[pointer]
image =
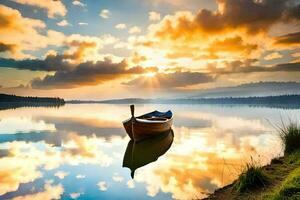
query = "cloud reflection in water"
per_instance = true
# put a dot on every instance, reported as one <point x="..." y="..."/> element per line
<point x="209" y="147"/>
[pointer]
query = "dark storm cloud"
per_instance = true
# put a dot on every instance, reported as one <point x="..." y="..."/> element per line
<point x="88" y="73"/>
<point x="172" y="80"/>
<point x="292" y="38"/>
<point x="50" y="63"/>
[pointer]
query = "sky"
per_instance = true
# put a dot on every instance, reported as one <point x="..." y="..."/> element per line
<point x="107" y="49"/>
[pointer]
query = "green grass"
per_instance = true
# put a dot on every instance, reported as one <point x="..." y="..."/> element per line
<point x="252" y="177"/>
<point x="290" y="188"/>
<point x="294" y="158"/>
<point x="290" y="136"/>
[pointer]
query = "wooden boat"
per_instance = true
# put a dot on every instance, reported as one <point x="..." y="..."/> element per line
<point x="148" y="125"/>
<point x="147" y="151"/>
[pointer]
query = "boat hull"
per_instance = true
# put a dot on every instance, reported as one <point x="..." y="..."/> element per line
<point x="139" y="129"/>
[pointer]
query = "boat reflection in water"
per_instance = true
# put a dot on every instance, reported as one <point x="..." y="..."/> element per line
<point x="141" y="153"/>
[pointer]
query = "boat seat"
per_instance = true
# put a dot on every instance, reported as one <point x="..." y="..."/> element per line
<point x="156" y="118"/>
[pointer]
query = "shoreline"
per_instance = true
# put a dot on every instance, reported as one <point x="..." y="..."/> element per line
<point x="278" y="171"/>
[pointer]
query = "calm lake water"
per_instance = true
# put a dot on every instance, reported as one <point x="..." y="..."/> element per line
<point x="76" y="151"/>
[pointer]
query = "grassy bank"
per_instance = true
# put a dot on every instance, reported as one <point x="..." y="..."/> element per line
<point x="279" y="180"/>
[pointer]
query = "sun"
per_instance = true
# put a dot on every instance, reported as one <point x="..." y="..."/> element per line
<point x="150" y="74"/>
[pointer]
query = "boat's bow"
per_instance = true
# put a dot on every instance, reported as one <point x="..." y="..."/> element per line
<point x="148" y="125"/>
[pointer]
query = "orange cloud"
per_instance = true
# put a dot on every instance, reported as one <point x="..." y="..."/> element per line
<point x="24" y="33"/>
<point x="253" y="16"/>
<point x="137" y="58"/>
<point x="237" y="30"/>
<point x="82" y="50"/>
<point x="14" y="173"/>
<point x="231" y="45"/>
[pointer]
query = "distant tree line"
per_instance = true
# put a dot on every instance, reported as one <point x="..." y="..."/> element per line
<point x="13" y="101"/>
<point x="267" y="100"/>
<point x="283" y="101"/>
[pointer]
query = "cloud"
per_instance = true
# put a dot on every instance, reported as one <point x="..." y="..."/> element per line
<point x="231" y="45"/>
<point x="63" y="23"/>
<point x="154" y="16"/>
<point x="102" y="186"/>
<point x="51" y="63"/>
<point x="50" y="192"/>
<point x="233" y="31"/>
<point x="24" y="163"/>
<point x="87" y="73"/>
<point x="25" y="33"/>
<point x="7" y="47"/>
<point x="75" y="195"/>
<point x="296" y="54"/>
<point x="292" y="38"/>
<point x="81" y="47"/>
<point x="78" y="3"/>
<point x="82" y="24"/>
<point x="252" y="15"/>
<point x="120" y="26"/>
<point x="130" y="184"/>
<point x="247" y="67"/>
<point x="136" y="58"/>
<point x="134" y="29"/>
<point x="171" y="80"/>
<point x="53" y="7"/>
<point x="61" y="174"/>
<point x="87" y="127"/>
<point x="273" y="56"/>
<point x="105" y="14"/>
<point x="117" y="178"/>
<point x="80" y="176"/>
<point x="14" y="173"/>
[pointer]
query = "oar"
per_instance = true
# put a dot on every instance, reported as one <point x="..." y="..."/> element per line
<point x="133" y="120"/>
<point x="132" y="124"/>
<point x="132" y="110"/>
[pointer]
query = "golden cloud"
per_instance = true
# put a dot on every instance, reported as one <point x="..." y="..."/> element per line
<point x="252" y="16"/>
<point x="24" y="33"/>
<point x="237" y="30"/>
<point x="14" y="173"/>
